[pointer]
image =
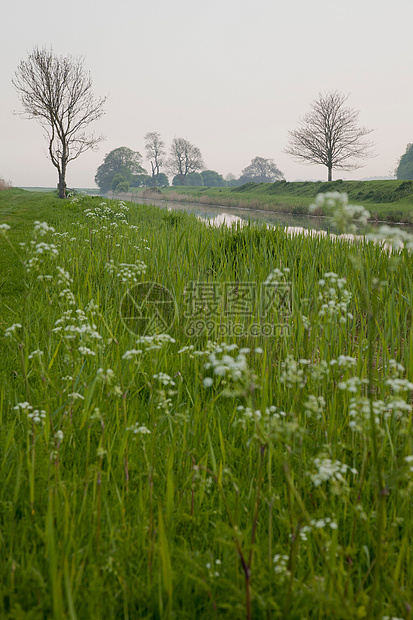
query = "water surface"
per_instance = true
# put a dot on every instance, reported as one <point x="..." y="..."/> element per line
<point x="292" y="223"/>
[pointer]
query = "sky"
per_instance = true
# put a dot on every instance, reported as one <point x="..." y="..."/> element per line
<point x="231" y="76"/>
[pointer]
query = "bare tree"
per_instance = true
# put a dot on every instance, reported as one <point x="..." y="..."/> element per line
<point x="155" y="153"/>
<point x="184" y="158"/>
<point x="329" y="134"/>
<point x="57" y="92"/>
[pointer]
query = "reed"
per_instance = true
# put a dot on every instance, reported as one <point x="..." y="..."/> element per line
<point x="201" y="474"/>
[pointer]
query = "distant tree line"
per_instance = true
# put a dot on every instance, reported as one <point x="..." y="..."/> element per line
<point x="122" y="168"/>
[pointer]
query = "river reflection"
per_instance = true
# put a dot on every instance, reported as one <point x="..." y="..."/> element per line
<point x="223" y="215"/>
<point x="228" y="219"/>
<point x="292" y="223"/>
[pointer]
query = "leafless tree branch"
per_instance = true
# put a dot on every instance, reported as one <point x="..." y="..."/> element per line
<point x="57" y="92"/>
<point x="184" y="158"/>
<point x="155" y="152"/>
<point x="329" y="134"/>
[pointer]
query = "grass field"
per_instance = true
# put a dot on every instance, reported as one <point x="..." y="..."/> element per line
<point x="249" y="457"/>
<point x="386" y="200"/>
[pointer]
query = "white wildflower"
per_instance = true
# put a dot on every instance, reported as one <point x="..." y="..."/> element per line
<point x="345" y="217"/>
<point x="131" y="354"/>
<point x="314" y="406"/>
<point x="23" y="407"/>
<point x="45" y="248"/>
<point x="85" y="351"/>
<point x="106" y="376"/>
<point x="156" y="342"/>
<point x="291" y="373"/>
<point x="10" y="330"/>
<point x="399" y="385"/>
<point x="394" y="238"/>
<point x="164" y="378"/>
<point x="43" y="228"/>
<point x="64" y="278"/>
<point x="352" y="385"/>
<point x="137" y="429"/>
<point x="37" y="416"/>
<point x="76" y="396"/>
<point x="328" y="470"/>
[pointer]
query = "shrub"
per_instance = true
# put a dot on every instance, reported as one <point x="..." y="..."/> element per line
<point x="4" y="184"/>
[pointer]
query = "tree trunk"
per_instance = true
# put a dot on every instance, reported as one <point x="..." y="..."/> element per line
<point x="330" y="174"/>
<point x="61" y="186"/>
<point x="153" y="181"/>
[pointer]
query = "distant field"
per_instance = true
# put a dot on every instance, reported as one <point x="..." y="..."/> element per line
<point x="83" y="190"/>
<point x="243" y="453"/>
<point x="386" y="200"/>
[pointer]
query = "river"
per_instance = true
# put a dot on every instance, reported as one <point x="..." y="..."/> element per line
<point x="217" y="215"/>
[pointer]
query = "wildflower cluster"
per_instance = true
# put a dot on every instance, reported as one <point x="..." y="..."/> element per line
<point x="257" y="414"/>
<point x="126" y="272"/>
<point x="75" y="325"/>
<point x="278" y="277"/>
<point x="394" y="238"/>
<point x="345" y="217"/>
<point x="11" y="331"/>
<point x="146" y="344"/>
<point x="35" y="416"/>
<point x="328" y="470"/>
<point x="230" y="369"/>
<point x="40" y="253"/>
<point x="315" y="406"/>
<point x="281" y="566"/>
<point x="103" y="212"/>
<point x="297" y="373"/>
<point x="292" y="372"/>
<point x="139" y="429"/>
<point x="42" y="228"/>
<point x="271" y="424"/>
<point x="165" y="379"/>
<point x="63" y="279"/>
<point x="335" y="299"/>
<point x="317" y="524"/>
<point x="193" y="353"/>
<point x="23" y="406"/>
<point x="394" y="406"/>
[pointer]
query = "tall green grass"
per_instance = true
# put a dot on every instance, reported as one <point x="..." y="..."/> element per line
<point x="195" y="479"/>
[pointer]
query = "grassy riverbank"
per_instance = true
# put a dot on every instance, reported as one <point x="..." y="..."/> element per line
<point x="255" y="462"/>
<point x="386" y="200"/>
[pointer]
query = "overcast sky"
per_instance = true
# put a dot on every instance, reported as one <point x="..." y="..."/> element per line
<point x="231" y="76"/>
